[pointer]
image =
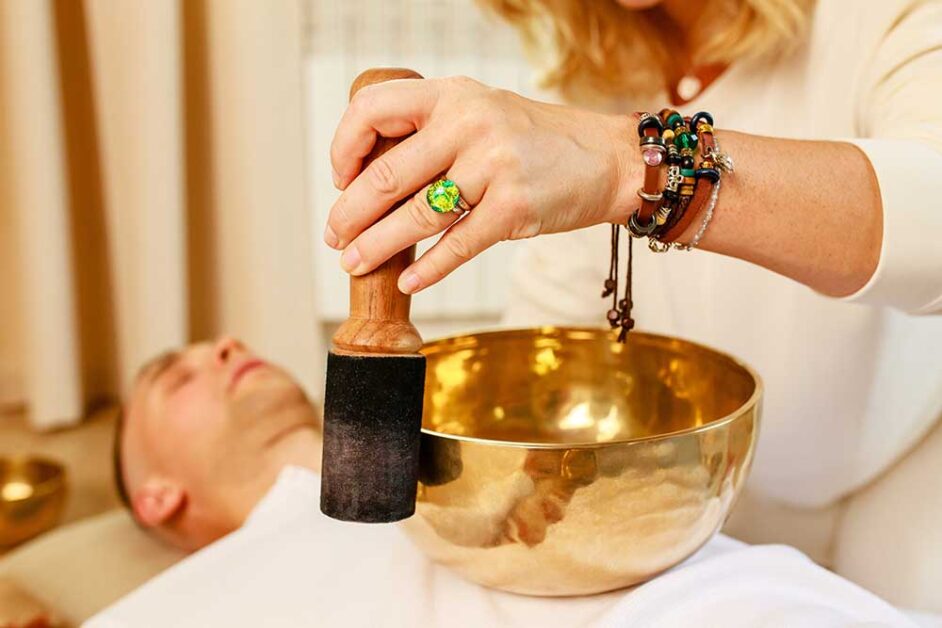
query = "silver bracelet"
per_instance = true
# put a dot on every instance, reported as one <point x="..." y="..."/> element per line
<point x="706" y="221"/>
<point x="725" y="164"/>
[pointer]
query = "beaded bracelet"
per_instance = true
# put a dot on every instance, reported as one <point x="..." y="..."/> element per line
<point x="689" y="188"/>
<point x="668" y="139"/>
<point x="706" y="175"/>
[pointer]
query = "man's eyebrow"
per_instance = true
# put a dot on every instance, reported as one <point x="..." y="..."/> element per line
<point x="161" y="365"/>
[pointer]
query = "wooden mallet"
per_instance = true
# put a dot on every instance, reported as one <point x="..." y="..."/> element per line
<point x="375" y="387"/>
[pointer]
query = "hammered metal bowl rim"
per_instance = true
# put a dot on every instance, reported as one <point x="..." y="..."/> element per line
<point x="46" y="487"/>
<point x="449" y="342"/>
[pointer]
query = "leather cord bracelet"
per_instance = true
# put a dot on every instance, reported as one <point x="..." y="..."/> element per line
<point x="653" y="152"/>
<point x="713" y="164"/>
<point x="705" y="175"/>
<point x="669" y="140"/>
<point x="701" y="195"/>
<point x="656" y="242"/>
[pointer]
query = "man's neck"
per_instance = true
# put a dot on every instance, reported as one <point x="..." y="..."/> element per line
<point x="302" y="448"/>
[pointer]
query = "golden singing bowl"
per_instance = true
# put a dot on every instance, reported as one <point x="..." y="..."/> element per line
<point x="556" y="461"/>
<point x="32" y="497"/>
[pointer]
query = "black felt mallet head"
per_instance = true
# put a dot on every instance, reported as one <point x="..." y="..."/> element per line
<point x="375" y="387"/>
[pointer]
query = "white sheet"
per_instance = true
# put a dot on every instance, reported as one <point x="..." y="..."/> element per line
<point x="291" y="566"/>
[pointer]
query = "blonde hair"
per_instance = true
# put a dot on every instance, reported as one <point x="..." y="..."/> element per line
<point x="591" y="50"/>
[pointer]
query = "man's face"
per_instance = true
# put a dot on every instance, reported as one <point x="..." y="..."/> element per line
<point x="206" y="431"/>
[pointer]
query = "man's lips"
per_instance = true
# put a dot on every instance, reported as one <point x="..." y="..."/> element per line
<point x="243" y="369"/>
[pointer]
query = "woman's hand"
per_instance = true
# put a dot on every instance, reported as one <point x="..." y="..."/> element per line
<point x="526" y="168"/>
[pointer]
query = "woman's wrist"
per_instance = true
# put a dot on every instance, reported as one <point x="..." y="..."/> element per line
<point x="627" y="167"/>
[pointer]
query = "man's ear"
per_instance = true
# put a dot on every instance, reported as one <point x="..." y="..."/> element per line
<point x="156" y="501"/>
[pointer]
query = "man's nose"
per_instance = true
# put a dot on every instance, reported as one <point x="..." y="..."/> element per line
<point x="225" y="348"/>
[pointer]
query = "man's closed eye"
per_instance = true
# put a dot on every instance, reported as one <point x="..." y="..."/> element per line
<point x="179" y="380"/>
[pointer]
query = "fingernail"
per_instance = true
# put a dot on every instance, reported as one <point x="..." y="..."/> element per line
<point x="409" y="283"/>
<point x="336" y="177"/>
<point x="330" y="237"/>
<point x="350" y="259"/>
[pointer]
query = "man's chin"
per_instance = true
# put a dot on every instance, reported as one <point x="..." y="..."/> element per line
<point x="267" y="392"/>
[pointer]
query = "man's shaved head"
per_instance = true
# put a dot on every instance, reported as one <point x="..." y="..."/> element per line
<point x="116" y="450"/>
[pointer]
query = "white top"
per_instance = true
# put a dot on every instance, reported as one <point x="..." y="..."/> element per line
<point x="289" y="566"/>
<point x="851" y="383"/>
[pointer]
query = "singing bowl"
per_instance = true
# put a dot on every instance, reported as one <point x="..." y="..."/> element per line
<point x="557" y="461"/>
<point x="32" y="497"/>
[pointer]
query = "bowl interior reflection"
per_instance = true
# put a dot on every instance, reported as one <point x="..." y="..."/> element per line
<point x="23" y="478"/>
<point x="553" y="386"/>
<point x="32" y="496"/>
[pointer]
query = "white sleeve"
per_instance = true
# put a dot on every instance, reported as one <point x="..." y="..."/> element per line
<point x="899" y="118"/>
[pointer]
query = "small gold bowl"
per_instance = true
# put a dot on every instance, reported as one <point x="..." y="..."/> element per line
<point x="32" y="497"/>
<point x="556" y="461"/>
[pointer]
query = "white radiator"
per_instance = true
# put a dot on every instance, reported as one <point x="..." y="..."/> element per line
<point x="436" y="38"/>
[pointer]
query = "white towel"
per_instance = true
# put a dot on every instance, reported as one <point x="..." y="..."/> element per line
<point x="291" y="566"/>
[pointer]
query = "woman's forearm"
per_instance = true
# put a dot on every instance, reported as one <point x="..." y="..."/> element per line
<point x="809" y="210"/>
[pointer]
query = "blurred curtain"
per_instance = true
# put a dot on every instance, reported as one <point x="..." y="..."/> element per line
<point x="152" y="191"/>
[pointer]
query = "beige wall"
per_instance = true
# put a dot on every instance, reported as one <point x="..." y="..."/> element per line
<point x="152" y="156"/>
<point x="11" y="330"/>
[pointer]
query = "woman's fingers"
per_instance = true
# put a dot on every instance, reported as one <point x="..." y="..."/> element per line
<point x="477" y="231"/>
<point x="411" y="223"/>
<point x="390" y="109"/>
<point x="389" y="178"/>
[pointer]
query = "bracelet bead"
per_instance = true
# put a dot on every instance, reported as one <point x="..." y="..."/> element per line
<point x="637" y="229"/>
<point x="701" y="115"/>
<point x="686" y="140"/>
<point x="673" y="178"/>
<point x="652" y="150"/>
<point x="650" y="122"/>
<point x="649" y="140"/>
<point x="663" y="214"/>
<point x="710" y="173"/>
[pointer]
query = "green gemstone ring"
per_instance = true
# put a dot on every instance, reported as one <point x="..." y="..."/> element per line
<point x="444" y="196"/>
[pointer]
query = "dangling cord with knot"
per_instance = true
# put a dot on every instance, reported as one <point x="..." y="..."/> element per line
<point x="625" y="305"/>
<point x="611" y="284"/>
<point x="620" y="313"/>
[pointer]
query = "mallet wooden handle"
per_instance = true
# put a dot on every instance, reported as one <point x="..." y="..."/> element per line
<point x="379" y="312"/>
